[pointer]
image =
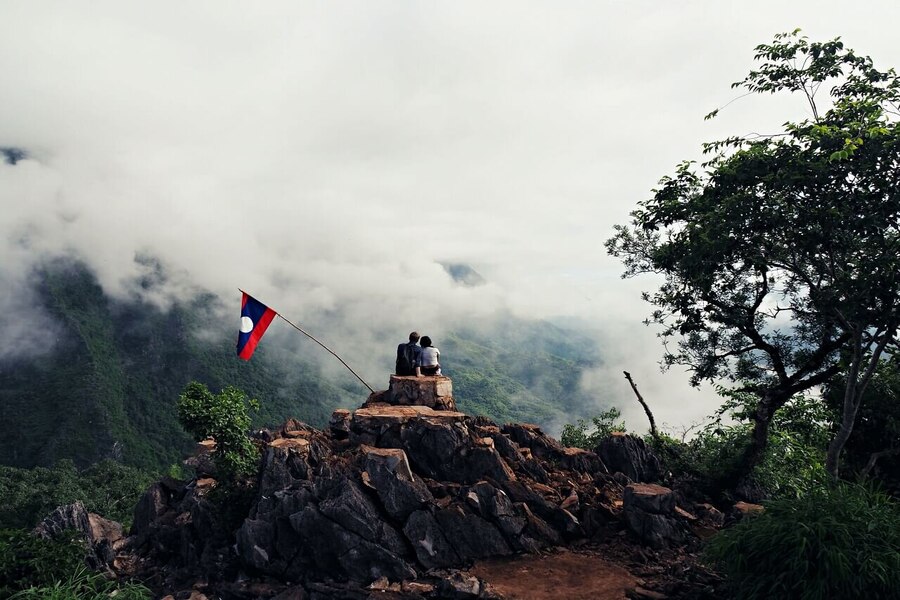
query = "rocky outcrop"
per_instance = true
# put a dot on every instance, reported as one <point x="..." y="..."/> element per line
<point x="629" y="455"/>
<point x="394" y="499"/>
<point x="651" y="514"/>
<point x="103" y="537"/>
<point x="433" y="391"/>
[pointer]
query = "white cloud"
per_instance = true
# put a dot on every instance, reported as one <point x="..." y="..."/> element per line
<point x="326" y="155"/>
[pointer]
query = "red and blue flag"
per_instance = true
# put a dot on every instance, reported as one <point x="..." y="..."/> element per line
<point x="255" y="318"/>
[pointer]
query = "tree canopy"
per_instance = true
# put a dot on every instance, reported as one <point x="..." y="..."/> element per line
<point x="781" y="253"/>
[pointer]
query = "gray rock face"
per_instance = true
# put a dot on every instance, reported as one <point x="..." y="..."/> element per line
<point x="399" y="490"/>
<point x="431" y="546"/>
<point x="626" y="454"/>
<point x="432" y="391"/>
<point x="102" y="535"/>
<point x="389" y="493"/>
<point x="649" y="512"/>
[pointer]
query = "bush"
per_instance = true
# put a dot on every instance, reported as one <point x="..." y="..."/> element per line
<point x="224" y="417"/>
<point x="29" y="561"/>
<point x="577" y="436"/>
<point x="836" y="541"/>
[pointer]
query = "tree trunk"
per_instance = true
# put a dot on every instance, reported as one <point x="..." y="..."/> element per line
<point x="833" y="456"/>
<point x="858" y="378"/>
<point x="771" y="401"/>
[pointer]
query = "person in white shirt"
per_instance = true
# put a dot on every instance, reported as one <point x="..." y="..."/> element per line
<point x="429" y="359"/>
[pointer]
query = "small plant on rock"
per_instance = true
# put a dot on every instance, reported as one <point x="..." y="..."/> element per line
<point x="225" y="418"/>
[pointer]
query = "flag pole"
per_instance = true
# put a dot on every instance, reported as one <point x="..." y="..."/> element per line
<point x="286" y="320"/>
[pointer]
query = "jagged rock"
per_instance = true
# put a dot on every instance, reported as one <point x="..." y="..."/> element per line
<point x="657" y="531"/>
<point x="495" y="505"/>
<point x="541" y="446"/>
<point x="286" y="461"/>
<point x="629" y="455"/>
<point x="432" y="548"/>
<point x="709" y="515"/>
<point x="391" y="493"/>
<point x="650" y="498"/>
<point x="648" y="511"/>
<point x="202" y="460"/>
<point x="400" y="491"/>
<point x="433" y="391"/>
<point x="471" y="536"/>
<point x="380" y="425"/>
<point x="296" y="592"/>
<point x="336" y="550"/>
<point x="255" y="539"/>
<point x="530" y="436"/>
<point x="339" y="424"/>
<point x="149" y="508"/>
<point x="460" y="586"/>
<point x="102" y="535"/>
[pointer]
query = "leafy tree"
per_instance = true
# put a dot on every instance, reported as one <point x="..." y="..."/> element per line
<point x="782" y="252"/>
<point x="794" y="459"/>
<point x="225" y="418"/>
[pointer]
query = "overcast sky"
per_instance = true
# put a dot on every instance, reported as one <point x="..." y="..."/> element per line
<point x="326" y="156"/>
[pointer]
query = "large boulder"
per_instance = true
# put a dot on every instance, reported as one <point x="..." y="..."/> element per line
<point x="400" y="491"/>
<point x="433" y="391"/>
<point x="649" y="512"/>
<point x="629" y="455"/>
<point x="103" y="537"/>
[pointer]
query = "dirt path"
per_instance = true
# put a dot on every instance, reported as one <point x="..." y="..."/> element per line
<point x="564" y="574"/>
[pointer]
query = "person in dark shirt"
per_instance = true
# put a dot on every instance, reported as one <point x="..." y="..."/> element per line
<point x="408" y="356"/>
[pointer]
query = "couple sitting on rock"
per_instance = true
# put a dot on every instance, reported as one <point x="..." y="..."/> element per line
<point x="413" y="359"/>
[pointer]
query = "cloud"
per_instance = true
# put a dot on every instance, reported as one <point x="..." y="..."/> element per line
<point x="330" y="157"/>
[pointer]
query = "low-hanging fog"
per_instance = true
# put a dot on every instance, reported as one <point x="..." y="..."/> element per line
<point x="330" y="157"/>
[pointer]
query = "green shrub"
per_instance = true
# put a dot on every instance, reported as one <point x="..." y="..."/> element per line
<point x="27" y="561"/>
<point x="224" y="417"/>
<point x="835" y="541"/>
<point x="577" y="436"/>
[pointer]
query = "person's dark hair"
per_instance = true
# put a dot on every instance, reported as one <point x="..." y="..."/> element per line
<point x="414" y="336"/>
<point x="425" y="342"/>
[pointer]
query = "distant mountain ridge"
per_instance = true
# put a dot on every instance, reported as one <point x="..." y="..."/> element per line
<point x="109" y="386"/>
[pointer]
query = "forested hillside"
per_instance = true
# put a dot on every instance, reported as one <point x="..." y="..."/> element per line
<point x="109" y="386"/>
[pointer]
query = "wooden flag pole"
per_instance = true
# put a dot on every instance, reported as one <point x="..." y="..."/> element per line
<point x="286" y="320"/>
<point x="327" y="348"/>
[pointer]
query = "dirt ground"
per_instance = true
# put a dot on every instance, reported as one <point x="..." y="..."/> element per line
<point x="564" y="574"/>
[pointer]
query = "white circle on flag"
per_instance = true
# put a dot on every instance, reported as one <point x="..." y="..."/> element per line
<point x="246" y="324"/>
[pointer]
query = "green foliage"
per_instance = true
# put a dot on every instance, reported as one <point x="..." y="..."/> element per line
<point x="28" y="561"/>
<point x="794" y="458"/>
<point x="107" y="488"/>
<point x="793" y="461"/>
<point x="780" y="250"/>
<point x="225" y="418"/>
<point x="877" y="427"/>
<point x="577" y="435"/>
<point x="834" y="541"/>
<point x="82" y="584"/>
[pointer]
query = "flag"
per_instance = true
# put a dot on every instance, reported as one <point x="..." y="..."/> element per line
<point x="255" y="318"/>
